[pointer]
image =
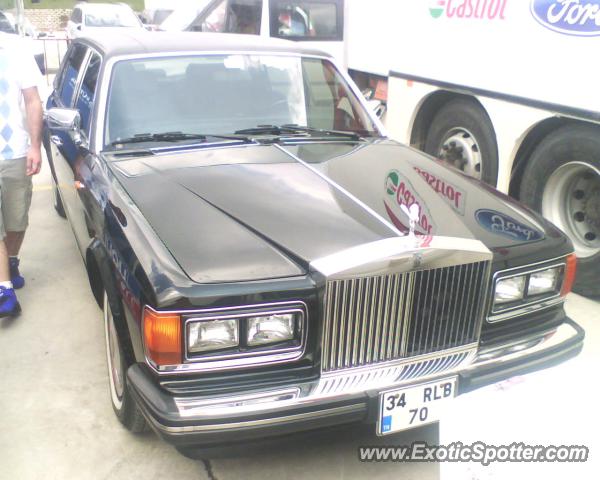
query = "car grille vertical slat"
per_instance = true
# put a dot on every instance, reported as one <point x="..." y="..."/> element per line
<point x="380" y="318"/>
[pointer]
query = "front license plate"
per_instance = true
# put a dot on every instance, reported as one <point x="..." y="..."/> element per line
<point x="411" y="407"/>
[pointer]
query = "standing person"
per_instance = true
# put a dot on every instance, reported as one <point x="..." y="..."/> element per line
<point x="20" y="158"/>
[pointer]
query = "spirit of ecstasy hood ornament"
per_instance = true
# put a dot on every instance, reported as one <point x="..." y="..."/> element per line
<point x="413" y="213"/>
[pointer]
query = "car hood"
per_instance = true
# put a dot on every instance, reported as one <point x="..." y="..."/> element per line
<point x="254" y="212"/>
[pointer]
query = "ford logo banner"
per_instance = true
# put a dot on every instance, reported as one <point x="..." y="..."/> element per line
<point x="500" y="224"/>
<point x="571" y="17"/>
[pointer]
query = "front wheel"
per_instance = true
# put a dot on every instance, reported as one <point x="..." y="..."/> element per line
<point x="122" y="401"/>
<point x="562" y="182"/>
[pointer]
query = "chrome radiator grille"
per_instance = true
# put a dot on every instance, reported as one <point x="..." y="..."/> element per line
<point x="381" y="318"/>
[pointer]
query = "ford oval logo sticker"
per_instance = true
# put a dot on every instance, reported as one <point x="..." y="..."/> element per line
<point x="571" y="17"/>
<point x="506" y="226"/>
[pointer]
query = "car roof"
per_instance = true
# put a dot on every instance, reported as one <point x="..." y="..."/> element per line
<point x="139" y="42"/>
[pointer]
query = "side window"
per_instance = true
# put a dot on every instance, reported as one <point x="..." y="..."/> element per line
<point x="231" y="16"/>
<point x="70" y="72"/>
<point x="87" y="92"/>
<point x="213" y="21"/>
<point x="76" y="16"/>
<point x="307" y="20"/>
<point x="243" y="16"/>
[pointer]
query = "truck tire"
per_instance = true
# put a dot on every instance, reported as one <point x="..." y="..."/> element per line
<point x="122" y="400"/>
<point x="461" y="134"/>
<point x="562" y="182"/>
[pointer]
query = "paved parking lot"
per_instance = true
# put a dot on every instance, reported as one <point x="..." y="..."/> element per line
<point x="57" y="423"/>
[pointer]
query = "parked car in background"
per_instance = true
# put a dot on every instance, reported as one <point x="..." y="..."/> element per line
<point x="13" y="22"/>
<point x="316" y="23"/>
<point x="269" y="262"/>
<point x="87" y="18"/>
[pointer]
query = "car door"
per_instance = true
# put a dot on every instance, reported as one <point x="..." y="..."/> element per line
<point x="72" y="162"/>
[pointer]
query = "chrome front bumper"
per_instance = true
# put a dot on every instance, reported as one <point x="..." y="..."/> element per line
<point x="337" y="398"/>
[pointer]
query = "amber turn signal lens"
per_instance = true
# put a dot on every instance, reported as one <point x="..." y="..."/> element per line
<point x="162" y="337"/>
<point x="570" y="270"/>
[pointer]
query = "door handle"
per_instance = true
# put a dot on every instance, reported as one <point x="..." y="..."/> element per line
<point x="56" y="140"/>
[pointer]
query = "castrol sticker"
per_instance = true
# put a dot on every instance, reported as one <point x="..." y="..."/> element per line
<point x="399" y="191"/>
<point x="451" y="194"/>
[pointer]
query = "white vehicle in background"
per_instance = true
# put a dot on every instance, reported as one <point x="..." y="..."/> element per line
<point x="87" y="18"/>
<point x="319" y="23"/>
<point x="14" y="22"/>
<point x="505" y="90"/>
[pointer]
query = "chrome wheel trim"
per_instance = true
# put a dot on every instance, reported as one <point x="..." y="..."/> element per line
<point x="571" y="200"/>
<point x="460" y="149"/>
<point x="113" y="356"/>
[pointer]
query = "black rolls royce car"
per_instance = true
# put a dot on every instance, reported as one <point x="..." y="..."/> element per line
<point x="269" y="262"/>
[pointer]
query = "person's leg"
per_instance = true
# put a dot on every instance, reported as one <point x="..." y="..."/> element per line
<point x="4" y="271"/>
<point x="16" y="200"/>
<point x="13" y="241"/>
<point x="9" y="306"/>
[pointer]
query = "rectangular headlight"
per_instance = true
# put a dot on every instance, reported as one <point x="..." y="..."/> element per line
<point x="271" y="329"/>
<point x="208" y="335"/>
<point x="543" y="282"/>
<point x="509" y="290"/>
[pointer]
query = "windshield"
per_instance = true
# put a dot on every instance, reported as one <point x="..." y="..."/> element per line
<point x="113" y="16"/>
<point x="222" y="94"/>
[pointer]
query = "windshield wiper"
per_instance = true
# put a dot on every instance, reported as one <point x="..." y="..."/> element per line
<point x="160" y="137"/>
<point x="293" y="129"/>
<point x="176" y="137"/>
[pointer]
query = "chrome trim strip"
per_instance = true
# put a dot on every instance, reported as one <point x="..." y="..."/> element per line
<point x="530" y="308"/>
<point x="399" y="255"/>
<point x="219" y="427"/>
<point x="469" y="349"/>
<point x="228" y="405"/>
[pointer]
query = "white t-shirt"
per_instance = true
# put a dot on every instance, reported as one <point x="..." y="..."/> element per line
<point x="18" y="71"/>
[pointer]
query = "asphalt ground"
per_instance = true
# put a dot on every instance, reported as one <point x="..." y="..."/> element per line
<point x="56" y="421"/>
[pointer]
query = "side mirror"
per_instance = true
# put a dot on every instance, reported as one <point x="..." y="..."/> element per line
<point x="66" y="120"/>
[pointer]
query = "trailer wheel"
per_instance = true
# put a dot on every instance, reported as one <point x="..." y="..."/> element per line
<point x="562" y="181"/>
<point x="461" y="134"/>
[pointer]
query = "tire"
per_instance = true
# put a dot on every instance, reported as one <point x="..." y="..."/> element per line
<point x="121" y="398"/>
<point x="461" y="133"/>
<point x="562" y="182"/>
<point x="58" y="205"/>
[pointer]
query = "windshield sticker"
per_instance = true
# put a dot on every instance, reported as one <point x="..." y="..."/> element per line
<point x="506" y="226"/>
<point x="570" y="17"/>
<point x="452" y="195"/>
<point x="399" y="192"/>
